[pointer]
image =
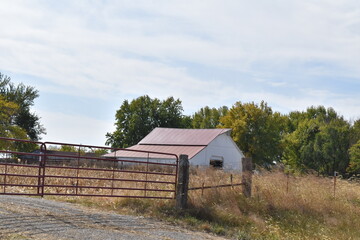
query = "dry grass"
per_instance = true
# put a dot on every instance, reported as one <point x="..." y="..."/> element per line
<point x="294" y="207"/>
<point x="105" y="175"/>
<point x="282" y="207"/>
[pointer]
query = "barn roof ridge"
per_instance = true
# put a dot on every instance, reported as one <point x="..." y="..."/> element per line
<point x="182" y="136"/>
<point x="176" y="145"/>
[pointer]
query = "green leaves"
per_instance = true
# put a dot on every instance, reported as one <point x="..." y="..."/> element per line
<point x="136" y="119"/>
<point x="7" y="128"/>
<point x="354" y="152"/>
<point x="208" y="117"/>
<point x="256" y="130"/>
<point x="23" y="96"/>
<point x="318" y="139"/>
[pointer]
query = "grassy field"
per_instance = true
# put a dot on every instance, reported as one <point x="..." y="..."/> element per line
<point x="281" y="207"/>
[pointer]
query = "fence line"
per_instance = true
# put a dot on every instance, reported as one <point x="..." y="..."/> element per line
<point x="216" y="186"/>
<point x="106" y="178"/>
<point x="246" y="180"/>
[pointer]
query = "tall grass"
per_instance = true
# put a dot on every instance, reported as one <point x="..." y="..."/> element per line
<point x="281" y="206"/>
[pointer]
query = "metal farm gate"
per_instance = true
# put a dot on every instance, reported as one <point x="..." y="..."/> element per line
<point x="50" y="168"/>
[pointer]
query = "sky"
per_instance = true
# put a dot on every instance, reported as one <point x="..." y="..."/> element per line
<point x="86" y="57"/>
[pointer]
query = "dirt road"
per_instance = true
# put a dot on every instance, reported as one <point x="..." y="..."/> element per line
<point x="34" y="218"/>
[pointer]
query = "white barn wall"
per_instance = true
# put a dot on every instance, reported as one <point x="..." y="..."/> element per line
<point x="200" y="159"/>
<point x="222" y="146"/>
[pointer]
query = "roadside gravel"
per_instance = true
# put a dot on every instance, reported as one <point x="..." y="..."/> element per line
<point x="35" y="218"/>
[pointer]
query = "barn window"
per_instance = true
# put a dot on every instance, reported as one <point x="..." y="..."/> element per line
<point x="217" y="161"/>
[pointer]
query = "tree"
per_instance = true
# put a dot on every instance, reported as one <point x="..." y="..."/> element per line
<point x="136" y="119"/>
<point x="208" y="117"/>
<point x="319" y="140"/>
<point x="23" y="96"/>
<point x="355" y="132"/>
<point x="354" y="152"/>
<point x="257" y="130"/>
<point x="7" y="128"/>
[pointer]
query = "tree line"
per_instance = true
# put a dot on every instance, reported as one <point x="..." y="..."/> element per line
<point x="317" y="139"/>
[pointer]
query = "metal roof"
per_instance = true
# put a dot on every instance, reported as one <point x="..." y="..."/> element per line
<point x="172" y="140"/>
<point x="182" y="137"/>
<point x="191" y="151"/>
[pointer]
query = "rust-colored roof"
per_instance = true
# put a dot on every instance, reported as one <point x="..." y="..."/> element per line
<point x="172" y="140"/>
<point x="182" y="137"/>
<point x="191" y="151"/>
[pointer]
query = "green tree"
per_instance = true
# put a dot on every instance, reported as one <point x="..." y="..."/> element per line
<point x="355" y="132"/>
<point x="136" y="119"/>
<point x="354" y="152"/>
<point x="24" y="97"/>
<point x="77" y="149"/>
<point x="7" y="128"/>
<point x="208" y="117"/>
<point x="319" y="140"/>
<point x="257" y="130"/>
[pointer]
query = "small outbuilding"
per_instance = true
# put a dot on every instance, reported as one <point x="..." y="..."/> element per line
<point x="205" y="147"/>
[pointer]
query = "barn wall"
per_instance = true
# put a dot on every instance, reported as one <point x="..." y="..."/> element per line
<point x="221" y="146"/>
<point x="200" y="159"/>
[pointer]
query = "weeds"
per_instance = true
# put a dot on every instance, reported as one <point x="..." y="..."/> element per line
<point x="281" y="207"/>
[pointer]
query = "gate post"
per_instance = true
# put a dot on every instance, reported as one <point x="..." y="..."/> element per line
<point x="246" y="176"/>
<point x="41" y="175"/>
<point x="182" y="183"/>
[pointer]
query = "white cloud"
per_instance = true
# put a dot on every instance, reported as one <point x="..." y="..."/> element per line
<point x="236" y="34"/>
<point x="120" y="49"/>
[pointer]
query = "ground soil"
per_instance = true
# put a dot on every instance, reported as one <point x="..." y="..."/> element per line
<point x="36" y="218"/>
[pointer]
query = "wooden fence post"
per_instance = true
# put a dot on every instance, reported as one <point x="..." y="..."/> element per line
<point x="246" y="176"/>
<point x="182" y="183"/>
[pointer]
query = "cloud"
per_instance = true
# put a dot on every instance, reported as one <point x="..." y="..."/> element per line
<point x="237" y="35"/>
<point x="212" y="53"/>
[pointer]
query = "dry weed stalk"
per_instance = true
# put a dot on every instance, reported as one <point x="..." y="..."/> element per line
<point x="282" y="207"/>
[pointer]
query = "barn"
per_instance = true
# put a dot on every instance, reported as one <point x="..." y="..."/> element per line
<point x="204" y="147"/>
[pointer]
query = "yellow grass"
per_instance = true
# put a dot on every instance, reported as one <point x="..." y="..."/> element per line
<point x="85" y="180"/>
<point x="281" y="207"/>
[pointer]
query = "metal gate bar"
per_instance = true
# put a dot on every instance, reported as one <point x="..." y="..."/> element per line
<point x="54" y="172"/>
<point x="12" y="169"/>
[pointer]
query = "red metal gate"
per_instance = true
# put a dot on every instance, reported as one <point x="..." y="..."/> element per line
<point x="50" y="168"/>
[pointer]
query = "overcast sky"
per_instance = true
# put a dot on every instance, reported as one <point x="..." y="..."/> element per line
<point x="87" y="57"/>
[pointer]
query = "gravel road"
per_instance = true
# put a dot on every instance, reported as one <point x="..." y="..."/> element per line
<point x="35" y="218"/>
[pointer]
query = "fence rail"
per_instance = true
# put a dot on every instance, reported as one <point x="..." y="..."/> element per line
<point x="216" y="186"/>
